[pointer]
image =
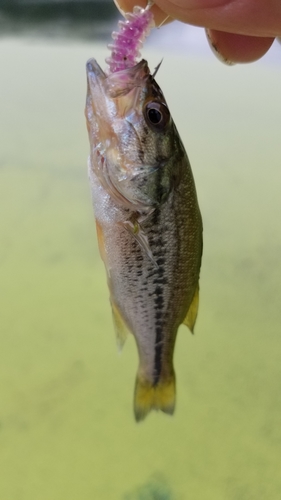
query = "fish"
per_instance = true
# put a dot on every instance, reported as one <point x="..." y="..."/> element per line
<point x="148" y="221"/>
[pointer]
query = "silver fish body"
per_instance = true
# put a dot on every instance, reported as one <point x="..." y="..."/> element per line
<point x="148" y="222"/>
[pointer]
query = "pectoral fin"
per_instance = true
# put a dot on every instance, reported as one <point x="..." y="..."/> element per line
<point x="191" y="316"/>
<point x="135" y="229"/>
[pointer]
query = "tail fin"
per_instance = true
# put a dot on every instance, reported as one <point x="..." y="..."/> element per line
<point x="161" y="396"/>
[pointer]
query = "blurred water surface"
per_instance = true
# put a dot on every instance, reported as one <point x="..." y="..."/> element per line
<point x="67" y="429"/>
<point x="76" y="19"/>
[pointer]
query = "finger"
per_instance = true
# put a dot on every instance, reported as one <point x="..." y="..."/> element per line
<point x="246" y="17"/>
<point x="160" y="17"/>
<point x="231" y="48"/>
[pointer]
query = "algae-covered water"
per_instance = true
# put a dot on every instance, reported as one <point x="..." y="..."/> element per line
<point x="67" y="429"/>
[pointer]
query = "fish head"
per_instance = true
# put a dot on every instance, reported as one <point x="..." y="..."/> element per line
<point x="132" y="135"/>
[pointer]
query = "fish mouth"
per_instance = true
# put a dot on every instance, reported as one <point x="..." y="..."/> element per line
<point x="94" y="70"/>
<point x="121" y="82"/>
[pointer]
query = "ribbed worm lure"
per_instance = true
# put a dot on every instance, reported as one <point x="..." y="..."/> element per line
<point x="129" y="39"/>
<point x="147" y="216"/>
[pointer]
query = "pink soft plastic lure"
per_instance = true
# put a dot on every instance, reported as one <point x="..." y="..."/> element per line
<point x="129" y="39"/>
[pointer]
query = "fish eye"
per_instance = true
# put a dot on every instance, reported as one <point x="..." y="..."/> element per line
<point x="157" y="115"/>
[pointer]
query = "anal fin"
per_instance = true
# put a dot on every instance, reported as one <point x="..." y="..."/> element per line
<point x="191" y="316"/>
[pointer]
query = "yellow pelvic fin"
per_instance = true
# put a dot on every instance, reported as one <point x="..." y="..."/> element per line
<point x="101" y="241"/>
<point x="159" y="397"/>
<point x="120" y="326"/>
<point x="191" y="316"/>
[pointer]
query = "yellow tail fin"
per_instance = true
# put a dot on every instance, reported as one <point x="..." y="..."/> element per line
<point x="161" y="396"/>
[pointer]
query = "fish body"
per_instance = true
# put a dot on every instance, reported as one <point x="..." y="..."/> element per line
<point x="148" y="222"/>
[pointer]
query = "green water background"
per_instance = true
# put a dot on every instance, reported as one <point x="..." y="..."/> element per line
<point x="67" y="429"/>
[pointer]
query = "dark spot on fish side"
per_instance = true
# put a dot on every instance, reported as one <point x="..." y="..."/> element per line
<point x="153" y="231"/>
<point x="160" y="281"/>
<point x="159" y="302"/>
<point x="160" y="261"/>
<point x="157" y="242"/>
<point x="158" y="354"/>
<point x="161" y="271"/>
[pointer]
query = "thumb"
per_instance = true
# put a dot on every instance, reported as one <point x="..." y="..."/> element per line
<point x="244" y="17"/>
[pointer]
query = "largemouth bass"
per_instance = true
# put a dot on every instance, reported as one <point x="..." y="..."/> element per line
<point x="148" y="221"/>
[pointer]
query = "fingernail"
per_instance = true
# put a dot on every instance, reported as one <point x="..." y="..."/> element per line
<point x="118" y="7"/>
<point x="160" y="17"/>
<point x="214" y="47"/>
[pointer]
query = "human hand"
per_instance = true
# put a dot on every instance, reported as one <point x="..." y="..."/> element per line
<point x="238" y="31"/>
